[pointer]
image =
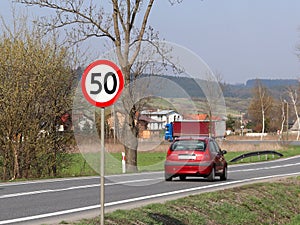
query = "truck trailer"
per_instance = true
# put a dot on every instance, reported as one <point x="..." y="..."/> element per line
<point x="211" y="128"/>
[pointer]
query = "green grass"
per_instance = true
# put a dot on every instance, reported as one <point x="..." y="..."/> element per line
<point x="295" y="220"/>
<point x="263" y="203"/>
<point x="82" y="165"/>
<point x="77" y="167"/>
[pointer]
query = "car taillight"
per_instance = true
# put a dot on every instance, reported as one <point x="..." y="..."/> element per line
<point x="169" y="153"/>
<point x="199" y="156"/>
<point x="206" y="156"/>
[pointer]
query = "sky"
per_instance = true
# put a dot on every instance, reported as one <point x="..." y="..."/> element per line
<point x="238" y="39"/>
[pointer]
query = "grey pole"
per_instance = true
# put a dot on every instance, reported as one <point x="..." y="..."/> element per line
<point x="102" y="159"/>
<point x="287" y="121"/>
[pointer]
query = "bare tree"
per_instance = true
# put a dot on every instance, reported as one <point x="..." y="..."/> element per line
<point x="260" y="105"/>
<point x="292" y="93"/>
<point x="212" y="87"/>
<point x="283" y="118"/>
<point x="124" y="25"/>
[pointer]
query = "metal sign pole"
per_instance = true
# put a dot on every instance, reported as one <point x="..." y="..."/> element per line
<point x="91" y="86"/>
<point x="102" y="167"/>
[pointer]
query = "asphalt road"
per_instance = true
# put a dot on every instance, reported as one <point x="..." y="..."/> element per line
<point x="51" y="201"/>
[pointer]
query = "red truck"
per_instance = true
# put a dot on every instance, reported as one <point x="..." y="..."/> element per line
<point x="213" y="128"/>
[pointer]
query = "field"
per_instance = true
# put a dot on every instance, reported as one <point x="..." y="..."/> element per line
<point x="83" y="164"/>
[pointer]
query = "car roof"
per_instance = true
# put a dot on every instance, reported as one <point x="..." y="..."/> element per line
<point x="201" y="138"/>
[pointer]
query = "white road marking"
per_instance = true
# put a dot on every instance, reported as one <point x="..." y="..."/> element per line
<point x="125" y="182"/>
<point x="199" y="188"/>
<point x="75" y="178"/>
<point x="41" y="216"/>
<point x="47" y="191"/>
<point x="71" y="188"/>
<point x="46" y="181"/>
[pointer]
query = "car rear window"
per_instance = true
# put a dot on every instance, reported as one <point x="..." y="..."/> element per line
<point x="188" y="145"/>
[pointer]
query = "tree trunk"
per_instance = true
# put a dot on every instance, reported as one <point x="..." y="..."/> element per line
<point x="27" y="161"/>
<point x="131" y="142"/>
<point x="263" y="124"/>
<point x="294" y="100"/>
<point x="16" y="171"/>
<point x="54" y="167"/>
<point x="4" y="169"/>
<point x="282" y="122"/>
<point x="131" y="159"/>
<point x="130" y="127"/>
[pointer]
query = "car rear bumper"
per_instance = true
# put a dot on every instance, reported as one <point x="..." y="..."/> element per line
<point x="188" y="168"/>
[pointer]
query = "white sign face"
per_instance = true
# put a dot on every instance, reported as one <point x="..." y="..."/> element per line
<point x="102" y="83"/>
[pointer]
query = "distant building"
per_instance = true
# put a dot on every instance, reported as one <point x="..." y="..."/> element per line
<point x="196" y="117"/>
<point x="162" y="117"/>
<point x="82" y="121"/>
<point x="148" y="127"/>
<point x="152" y="123"/>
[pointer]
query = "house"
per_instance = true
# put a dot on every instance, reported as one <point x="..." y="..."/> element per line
<point x="82" y="122"/>
<point x="152" y="123"/>
<point x="162" y="116"/>
<point x="148" y="127"/>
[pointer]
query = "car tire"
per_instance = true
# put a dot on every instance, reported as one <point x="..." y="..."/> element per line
<point x="182" y="177"/>
<point x="211" y="176"/>
<point x="168" y="177"/>
<point x="224" y="175"/>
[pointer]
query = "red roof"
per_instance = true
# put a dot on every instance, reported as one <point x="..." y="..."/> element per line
<point x="196" y="117"/>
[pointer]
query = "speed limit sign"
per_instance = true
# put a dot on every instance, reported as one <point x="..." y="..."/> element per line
<point x="102" y="83"/>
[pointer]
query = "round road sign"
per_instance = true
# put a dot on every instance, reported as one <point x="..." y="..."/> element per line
<point x="102" y="83"/>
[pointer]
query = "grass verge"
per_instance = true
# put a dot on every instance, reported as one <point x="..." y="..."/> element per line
<point x="147" y="161"/>
<point x="264" y="203"/>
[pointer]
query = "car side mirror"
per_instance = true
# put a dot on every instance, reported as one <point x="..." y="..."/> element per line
<point x="224" y="152"/>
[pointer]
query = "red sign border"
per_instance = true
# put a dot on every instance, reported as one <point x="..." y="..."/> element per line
<point x="121" y="83"/>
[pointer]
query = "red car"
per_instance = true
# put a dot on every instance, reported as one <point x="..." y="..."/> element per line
<point x="199" y="156"/>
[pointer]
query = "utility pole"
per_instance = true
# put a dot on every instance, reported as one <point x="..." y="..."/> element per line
<point x="287" y="119"/>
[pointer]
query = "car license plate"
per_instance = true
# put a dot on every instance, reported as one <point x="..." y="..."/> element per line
<point x="193" y="157"/>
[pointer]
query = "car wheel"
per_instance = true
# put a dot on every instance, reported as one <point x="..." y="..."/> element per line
<point x="224" y="175"/>
<point x="211" y="176"/>
<point x="182" y="177"/>
<point x="168" y="177"/>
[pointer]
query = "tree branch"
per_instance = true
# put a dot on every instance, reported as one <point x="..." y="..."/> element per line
<point x="142" y="31"/>
<point x="76" y="11"/>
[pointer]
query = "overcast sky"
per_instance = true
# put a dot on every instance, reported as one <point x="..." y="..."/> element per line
<point x="238" y="39"/>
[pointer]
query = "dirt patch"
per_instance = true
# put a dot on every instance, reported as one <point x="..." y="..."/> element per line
<point x="248" y="147"/>
<point x="113" y="147"/>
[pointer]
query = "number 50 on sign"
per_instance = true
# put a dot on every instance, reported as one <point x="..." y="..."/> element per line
<point x="102" y="83"/>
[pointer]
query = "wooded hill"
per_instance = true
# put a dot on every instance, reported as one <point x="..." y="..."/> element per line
<point x="276" y="86"/>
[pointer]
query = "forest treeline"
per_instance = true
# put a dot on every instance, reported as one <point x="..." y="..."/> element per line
<point x="241" y="91"/>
